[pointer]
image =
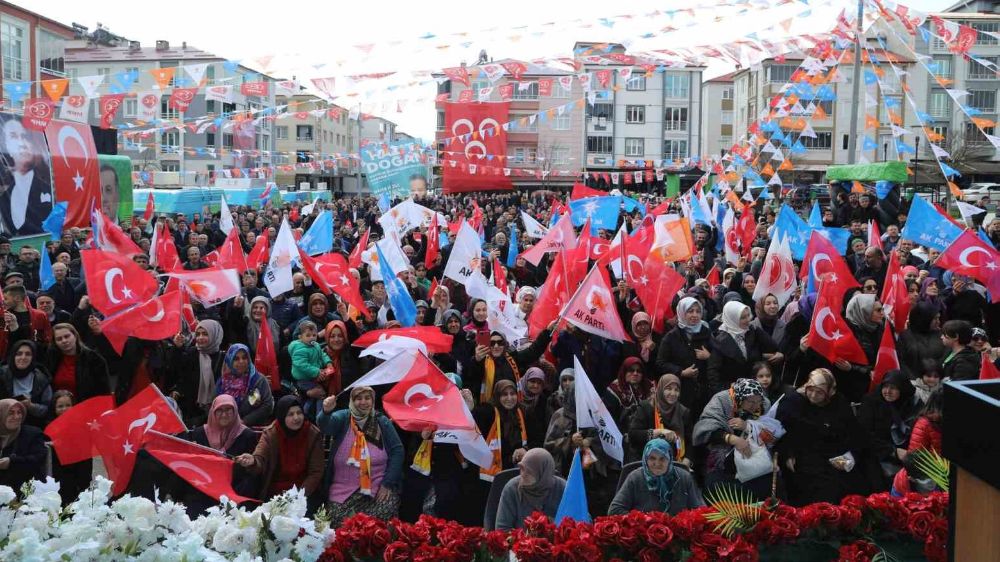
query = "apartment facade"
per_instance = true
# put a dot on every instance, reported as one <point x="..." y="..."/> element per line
<point x="33" y="48"/>
<point x="717" y="126"/>
<point x="312" y="142"/>
<point x="190" y="155"/>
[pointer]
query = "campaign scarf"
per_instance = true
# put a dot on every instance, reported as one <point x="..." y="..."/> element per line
<point x="361" y="458"/>
<point x="493" y="441"/>
<point x="489" y="373"/>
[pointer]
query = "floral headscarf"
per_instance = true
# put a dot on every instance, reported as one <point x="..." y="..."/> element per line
<point x="662" y="485"/>
<point x="231" y="382"/>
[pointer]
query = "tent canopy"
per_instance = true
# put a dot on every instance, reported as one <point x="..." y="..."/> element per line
<point x="879" y="171"/>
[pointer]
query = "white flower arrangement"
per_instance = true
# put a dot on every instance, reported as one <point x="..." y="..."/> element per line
<point x="34" y="527"/>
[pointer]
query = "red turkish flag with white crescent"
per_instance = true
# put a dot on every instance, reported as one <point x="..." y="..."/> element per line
<point x="829" y="335"/>
<point x="895" y="298"/>
<point x="969" y="255"/>
<point x="70" y="432"/>
<point x="210" y="286"/>
<point x="887" y="360"/>
<point x="476" y="140"/>
<point x="331" y="273"/>
<point x="424" y="398"/>
<point x="231" y="253"/>
<point x="354" y="260"/>
<point x="559" y="238"/>
<point x="206" y="469"/>
<point x="164" y="250"/>
<point x="266" y="357"/>
<point x="433" y="338"/>
<point x="75" y="171"/>
<point x="259" y="253"/>
<point x="158" y="318"/>
<point x="433" y="243"/>
<point x="658" y="295"/>
<point x="564" y="277"/>
<point x="115" y="282"/>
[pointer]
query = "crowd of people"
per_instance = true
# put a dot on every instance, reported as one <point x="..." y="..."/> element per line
<point x="729" y="394"/>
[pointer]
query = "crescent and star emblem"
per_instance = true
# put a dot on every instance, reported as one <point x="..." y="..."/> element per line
<point x="820" y="318"/>
<point x="423" y="389"/>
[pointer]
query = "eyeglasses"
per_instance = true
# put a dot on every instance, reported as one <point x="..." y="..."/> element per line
<point x="496" y="343"/>
<point x="870" y="288"/>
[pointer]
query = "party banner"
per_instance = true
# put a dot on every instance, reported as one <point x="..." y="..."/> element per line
<point x="394" y="169"/>
<point x="25" y="179"/>
<point x="116" y="186"/>
<point x="480" y="147"/>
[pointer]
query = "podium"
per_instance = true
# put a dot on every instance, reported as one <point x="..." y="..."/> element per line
<point x="972" y="444"/>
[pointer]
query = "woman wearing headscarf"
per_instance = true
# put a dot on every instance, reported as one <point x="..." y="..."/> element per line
<point x="225" y="432"/>
<point x="74" y="366"/>
<point x="288" y="454"/>
<point x="738" y="346"/>
<point x="534" y="400"/>
<point x="244" y="326"/>
<point x="537" y="488"/>
<point x="477" y="325"/>
<point x="800" y="360"/>
<point x="823" y="451"/>
<point x="346" y="365"/>
<point x="497" y="362"/>
<point x="196" y="369"/>
<point x="930" y="293"/>
<point x="661" y="417"/>
<point x="24" y="380"/>
<point x="251" y="390"/>
<point x="318" y="311"/>
<point x="645" y="344"/>
<point x="566" y="379"/>
<point x="865" y="317"/>
<point x="22" y="449"/>
<point x="921" y="340"/>
<point x="658" y="485"/>
<point x="505" y="427"/>
<point x="684" y="351"/>
<point x="462" y="347"/>
<point x="563" y="438"/>
<point x="441" y="303"/>
<point x="769" y="319"/>
<point x="724" y="428"/>
<point x="365" y="469"/>
<point x="628" y="390"/>
<point x="887" y="414"/>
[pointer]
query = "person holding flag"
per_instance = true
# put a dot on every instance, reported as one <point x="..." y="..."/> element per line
<point x="493" y="361"/>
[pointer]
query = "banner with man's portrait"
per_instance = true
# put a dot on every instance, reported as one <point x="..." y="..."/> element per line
<point x="116" y="186"/>
<point x="26" y="195"/>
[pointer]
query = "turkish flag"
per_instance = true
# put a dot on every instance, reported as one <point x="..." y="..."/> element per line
<point x="259" y="253"/>
<point x="164" y="249"/>
<point x="969" y="255"/>
<point x="634" y="253"/>
<point x="120" y="433"/>
<point x="987" y="369"/>
<point x="746" y="230"/>
<point x="564" y="277"/>
<point x="150" y="207"/>
<point x="71" y="434"/>
<point x="593" y="310"/>
<point x="266" y="358"/>
<point x="75" y="171"/>
<point x="231" y="253"/>
<point x="595" y="247"/>
<point x="424" y="398"/>
<point x="109" y="236"/>
<point x="477" y="137"/>
<point x="354" y="260"/>
<point x="433" y="243"/>
<point x="156" y="319"/>
<point x="874" y="237"/>
<point x="115" y="282"/>
<point x="432" y="337"/>
<point x="499" y="276"/>
<point x="210" y="474"/>
<point x="559" y="238"/>
<point x="895" y="298"/>
<point x="829" y="335"/>
<point x="210" y="286"/>
<point x="581" y="191"/>
<point x="211" y="258"/>
<point x="887" y="360"/>
<point x="331" y="272"/>
<point x="658" y="293"/>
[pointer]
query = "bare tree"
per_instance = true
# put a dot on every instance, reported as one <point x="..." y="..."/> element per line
<point x="545" y="158"/>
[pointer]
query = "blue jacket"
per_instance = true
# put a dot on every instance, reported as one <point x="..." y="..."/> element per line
<point x="337" y="423"/>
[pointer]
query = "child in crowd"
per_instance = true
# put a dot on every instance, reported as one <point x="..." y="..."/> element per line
<point x="73" y="478"/>
<point x="926" y="435"/>
<point x="929" y="380"/>
<point x="310" y="367"/>
<point x="773" y="388"/>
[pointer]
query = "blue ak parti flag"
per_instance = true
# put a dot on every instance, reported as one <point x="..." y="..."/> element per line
<point x="927" y="227"/>
<point x="399" y="298"/>
<point x="53" y="224"/>
<point x="512" y="249"/>
<point x="319" y="238"/>
<point x="574" y="501"/>
<point x="45" y="276"/>
<point x="602" y="211"/>
<point x="815" y="216"/>
<point x="791" y="225"/>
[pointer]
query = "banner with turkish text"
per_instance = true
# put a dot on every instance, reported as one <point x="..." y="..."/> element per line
<point x="394" y="169"/>
<point x="478" y="147"/>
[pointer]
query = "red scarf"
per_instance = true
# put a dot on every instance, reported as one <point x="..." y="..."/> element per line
<point x="292" y="458"/>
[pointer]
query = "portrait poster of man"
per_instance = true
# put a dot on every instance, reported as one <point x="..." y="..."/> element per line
<point x="25" y="179"/>
<point x="396" y="169"/>
<point x="116" y="186"/>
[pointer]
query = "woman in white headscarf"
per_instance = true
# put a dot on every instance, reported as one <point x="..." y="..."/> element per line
<point x="738" y="345"/>
<point x="684" y="351"/>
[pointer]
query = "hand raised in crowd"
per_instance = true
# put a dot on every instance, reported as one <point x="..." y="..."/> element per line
<point x="481" y="351"/>
<point x="329" y="404"/>
<point x="665" y="434"/>
<point x="469" y="400"/>
<point x="179" y="340"/>
<point x="94" y="324"/>
<point x="10" y="321"/>
<point x="428" y="432"/>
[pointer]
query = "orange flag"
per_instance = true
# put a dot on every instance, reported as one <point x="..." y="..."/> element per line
<point x="163" y="76"/>
<point x="871" y="122"/>
<point x="955" y="190"/>
<point x="820" y="113"/>
<point x="55" y="88"/>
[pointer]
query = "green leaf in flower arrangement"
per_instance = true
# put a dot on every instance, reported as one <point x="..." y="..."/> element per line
<point x="735" y="509"/>
<point x="933" y="466"/>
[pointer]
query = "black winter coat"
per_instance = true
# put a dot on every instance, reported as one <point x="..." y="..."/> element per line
<point x="963" y="366"/>
<point x="728" y="363"/>
<point x="92" y="377"/>
<point x="676" y="353"/>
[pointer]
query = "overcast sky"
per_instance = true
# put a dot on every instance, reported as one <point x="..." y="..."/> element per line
<point x="310" y="40"/>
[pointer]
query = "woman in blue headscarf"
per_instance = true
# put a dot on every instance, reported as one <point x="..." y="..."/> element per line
<point x="657" y="485"/>
<point x="241" y="380"/>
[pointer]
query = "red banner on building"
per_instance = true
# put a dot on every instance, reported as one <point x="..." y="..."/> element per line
<point x="477" y="149"/>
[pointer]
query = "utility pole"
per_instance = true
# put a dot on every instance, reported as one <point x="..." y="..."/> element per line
<point x="852" y="140"/>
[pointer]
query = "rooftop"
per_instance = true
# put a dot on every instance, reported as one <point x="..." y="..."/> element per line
<point x="46" y="19"/>
<point x="126" y="53"/>
<point x="728" y="78"/>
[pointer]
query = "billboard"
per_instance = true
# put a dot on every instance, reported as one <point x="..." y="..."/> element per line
<point x="476" y="155"/>
<point x="116" y="186"/>
<point x="26" y="193"/>
<point x="394" y="169"/>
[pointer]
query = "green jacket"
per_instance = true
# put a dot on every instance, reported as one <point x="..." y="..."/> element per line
<point x="307" y="360"/>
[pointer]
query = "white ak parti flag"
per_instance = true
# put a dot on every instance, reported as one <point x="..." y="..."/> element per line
<point x="591" y="412"/>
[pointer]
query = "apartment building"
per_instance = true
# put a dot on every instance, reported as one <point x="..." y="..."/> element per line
<point x="194" y="155"/>
<point x="33" y="48"/>
<point x="309" y="138"/>
<point x="717" y="126"/>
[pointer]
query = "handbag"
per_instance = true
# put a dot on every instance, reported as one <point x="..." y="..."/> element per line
<point x="754" y="466"/>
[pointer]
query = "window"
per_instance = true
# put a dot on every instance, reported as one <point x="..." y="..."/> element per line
<point x="210" y="106"/>
<point x="52" y="49"/>
<point x="227" y="140"/>
<point x="984" y="28"/>
<point x="823" y="141"/>
<point x="303" y="132"/>
<point x="981" y="72"/>
<point x="845" y="143"/>
<point x="167" y="112"/>
<point x="561" y="122"/>
<point x="210" y="139"/>
<point x="727" y="93"/>
<point x="636" y="83"/>
<point x="524" y="155"/>
<point x="727" y="118"/>
<point x="675" y="149"/>
<point x="943" y="131"/>
<point x="210" y="74"/>
<point x="131" y="107"/>
<point x="676" y="85"/>
<point x="781" y="73"/>
<point x="560" y="156"/>
<point x="635" y="147"/>
<point x="942" y="66"/>
<point x="265" y="143"/>
<point x="560" y="91"/>
<point x="601" y="145"/>
<point x="526" y="92"/>
<point x="440" y="121"/>
<point x="170" y="166"/>
<point x="676" y="119"/>
<point x="526" y="126"/>
<point x="477" y="85"/>
<point x="974" y="136"/>
<point x="940" y="104"/>
<point x="983" y="100"/>
<point x="281" y="132"/>
<point x="602" y="114"/>
<point x="170" y="141"/>
<point x="15" y="47"/>
<point x="635" y="114"/>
